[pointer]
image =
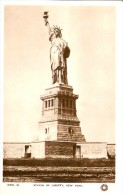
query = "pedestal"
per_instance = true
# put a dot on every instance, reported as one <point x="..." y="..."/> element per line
<point x="58" y="119"/>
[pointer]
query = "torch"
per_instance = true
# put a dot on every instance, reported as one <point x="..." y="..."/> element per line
<point x="45" y="16"/>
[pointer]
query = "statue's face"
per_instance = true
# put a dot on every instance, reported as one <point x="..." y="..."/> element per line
<point x="57" y="33"/>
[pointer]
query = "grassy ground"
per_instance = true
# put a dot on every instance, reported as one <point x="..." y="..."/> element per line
<point x="59" y="170"/>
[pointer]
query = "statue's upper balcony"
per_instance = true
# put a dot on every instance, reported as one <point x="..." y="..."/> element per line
<point x="59" y="90"/>
<point x="59" y="87"/>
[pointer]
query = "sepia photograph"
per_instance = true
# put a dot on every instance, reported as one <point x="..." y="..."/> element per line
<point x="59" y="86"/>
<point x="59" y="89"/>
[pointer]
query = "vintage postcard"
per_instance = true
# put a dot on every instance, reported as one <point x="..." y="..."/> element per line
<point x="61" y="97"/>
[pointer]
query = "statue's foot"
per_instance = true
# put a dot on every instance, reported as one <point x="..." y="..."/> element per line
<point x="61" y="83"/>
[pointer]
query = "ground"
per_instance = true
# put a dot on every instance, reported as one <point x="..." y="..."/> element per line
<point x="59" y="170"/>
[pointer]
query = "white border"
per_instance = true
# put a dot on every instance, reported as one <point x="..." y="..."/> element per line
<point x="1" y="87"/>
<point x="92" y="187"/>
<point x="119" y="97"/>
<point x="66" y="2"/>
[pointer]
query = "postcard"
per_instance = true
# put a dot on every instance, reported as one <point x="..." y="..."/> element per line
<point x="61" y="97"/>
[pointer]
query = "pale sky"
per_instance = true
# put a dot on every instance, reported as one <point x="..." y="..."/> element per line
<point x="90" y="33"/>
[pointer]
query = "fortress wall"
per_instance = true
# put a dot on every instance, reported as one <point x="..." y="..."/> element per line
<point x="93" y="150"/>
<point x="13" y="150"/>
<point x="111" y="150"/>
<point x="55" y="149"/>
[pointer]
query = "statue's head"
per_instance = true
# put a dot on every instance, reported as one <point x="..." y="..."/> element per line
<point x="57" y="31"/>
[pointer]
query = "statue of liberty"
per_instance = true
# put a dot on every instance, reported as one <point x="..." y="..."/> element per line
<point x="59" y="52"/>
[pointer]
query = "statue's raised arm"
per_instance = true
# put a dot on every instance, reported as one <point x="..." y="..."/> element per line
<point x="59" y="51"/>
<point x="45" y="16"/>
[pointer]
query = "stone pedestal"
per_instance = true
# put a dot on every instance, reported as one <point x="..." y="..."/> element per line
<point x="59" y="120"/>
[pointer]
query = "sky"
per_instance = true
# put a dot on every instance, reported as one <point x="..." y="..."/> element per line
<point x="90" y="33"/>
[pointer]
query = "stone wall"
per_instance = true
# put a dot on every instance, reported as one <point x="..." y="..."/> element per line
<point x="111" y="150"/>
<point x="14" y="150"/>
<point x="21" y="150"/>
<point x="93" y="150"/>
<point x="59" y="149"/>
<point x="55" y="149"/>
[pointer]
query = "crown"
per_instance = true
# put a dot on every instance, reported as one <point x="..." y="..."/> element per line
<point x="56" y="28"/>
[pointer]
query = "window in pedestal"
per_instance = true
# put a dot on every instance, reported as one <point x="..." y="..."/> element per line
<point x="70" y="103"/>
<point x="63" y="103"/>
<point x="46" y="130"/>
<point x="70" y="130"/>
<point x="74" y="103"/>
<point x="66" y="103"/>
<point x="45" y="104"/>
<point x="52" y="102"/>
<point x="48" y="103"/>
